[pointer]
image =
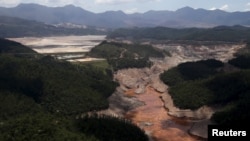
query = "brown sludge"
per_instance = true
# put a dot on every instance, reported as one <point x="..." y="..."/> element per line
<point x="153" y="118"/>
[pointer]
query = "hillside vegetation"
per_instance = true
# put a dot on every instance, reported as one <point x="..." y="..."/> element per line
<point x="195" y="84"/>
<point x="242" y="59"/>
<point x="220" y="33"/>
<point x="121" y="55"/>
<point x="41" y="96"/>
<point x="187" y="82"/>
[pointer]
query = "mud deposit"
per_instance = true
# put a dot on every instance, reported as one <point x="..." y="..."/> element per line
<point x="153" y="118"/>
<point x="71" y="48"/>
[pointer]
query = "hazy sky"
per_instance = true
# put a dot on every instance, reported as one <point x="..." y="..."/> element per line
<point x="131" y="6"/>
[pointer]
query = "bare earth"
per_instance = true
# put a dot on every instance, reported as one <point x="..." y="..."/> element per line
<point x="63" y="44"/>
<point x="153" y="118"/>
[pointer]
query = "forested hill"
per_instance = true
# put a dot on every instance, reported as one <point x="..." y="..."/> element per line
<point x="10" y="47"/>
<point x="41" y="96"/>
<point x="46" y="80"/>
<point x="195" y="84"/>
<point x="122" y="55"/>
<point x="17" y="27"/>
<point x="220" y="33"/>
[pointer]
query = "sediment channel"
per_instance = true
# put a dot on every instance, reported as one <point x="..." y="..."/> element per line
<point x="154" y="120"/>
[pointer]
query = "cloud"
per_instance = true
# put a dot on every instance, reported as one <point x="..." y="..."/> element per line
<point x="9" y="2"/>
<point x="122" y="1"/>
<point x="224" y="7"/>
<point x="61" y="2"/>
<point x="131" y="11"/>
<point x="213" y="8"/>
<point x="112" y="1"/>
<point x="247" y="7"/>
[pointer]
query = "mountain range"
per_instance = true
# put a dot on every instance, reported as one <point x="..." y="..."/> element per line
<point x="181" y="18"/>
<point x="11" y="27"/>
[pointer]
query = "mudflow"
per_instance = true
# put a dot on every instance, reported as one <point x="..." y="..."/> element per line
<point x="144" y="99"/>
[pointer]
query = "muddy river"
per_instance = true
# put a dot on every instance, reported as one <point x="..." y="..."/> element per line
<point x="154" y="120"/>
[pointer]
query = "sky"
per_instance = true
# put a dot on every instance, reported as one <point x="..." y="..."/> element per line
<point x="141" y="6"/>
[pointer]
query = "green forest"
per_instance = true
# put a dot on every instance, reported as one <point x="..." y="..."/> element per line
<point x="122" y="55"/>
<point x="42" y="96"/>
<point x="194" y="84"/>
<point x="221" y="33"/>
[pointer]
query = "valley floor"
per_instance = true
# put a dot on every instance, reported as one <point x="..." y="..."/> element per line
<point x="71" y="48"/>
<point x="144" y="99"/>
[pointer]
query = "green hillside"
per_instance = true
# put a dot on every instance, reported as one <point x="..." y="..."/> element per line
<point x="220" y="33"/>
<point x="195" y="84"/>
<point x="121" y="55"/>
<point x="41" y="96"/>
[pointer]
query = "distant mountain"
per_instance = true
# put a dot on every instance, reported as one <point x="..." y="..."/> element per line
<point x="17" y="27"/>
<point x="184" y="17"/>
<point x="48" y="14"/>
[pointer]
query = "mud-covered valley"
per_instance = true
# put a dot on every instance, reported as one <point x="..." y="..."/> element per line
<point x="144" y="99"/>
